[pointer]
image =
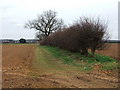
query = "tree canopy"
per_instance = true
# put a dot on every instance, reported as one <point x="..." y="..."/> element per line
<point x="46" y="23"/>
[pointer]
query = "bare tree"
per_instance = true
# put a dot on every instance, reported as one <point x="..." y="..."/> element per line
<point x="46" y="23"/>
<point x="93" y="34"/>
<point x="39" y="35"/>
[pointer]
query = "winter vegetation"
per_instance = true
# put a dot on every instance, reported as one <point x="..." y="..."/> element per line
<point x="85" y="33"/>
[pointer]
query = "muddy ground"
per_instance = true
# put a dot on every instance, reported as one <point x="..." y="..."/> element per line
<point x="111" y="50"/>
<point x="18" y="71"/>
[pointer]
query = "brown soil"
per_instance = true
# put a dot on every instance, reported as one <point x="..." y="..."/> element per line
<point x="112" y="50"/>
<point x="18" y="73"/>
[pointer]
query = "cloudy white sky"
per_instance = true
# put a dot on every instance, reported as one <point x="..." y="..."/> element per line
<point x="15" y="13"/>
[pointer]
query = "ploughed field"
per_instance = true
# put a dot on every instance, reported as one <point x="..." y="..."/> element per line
<point x="30" y="66"/>
<point x="112" y="50"/>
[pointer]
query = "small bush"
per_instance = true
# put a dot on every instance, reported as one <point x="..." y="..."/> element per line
<point x="22" y="40"/>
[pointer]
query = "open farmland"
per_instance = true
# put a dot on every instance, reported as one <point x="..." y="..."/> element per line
<point x="31" y="66"/>
<point x="112" y="50"/>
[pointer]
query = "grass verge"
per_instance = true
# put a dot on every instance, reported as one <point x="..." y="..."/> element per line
<point x="84" y="63"/>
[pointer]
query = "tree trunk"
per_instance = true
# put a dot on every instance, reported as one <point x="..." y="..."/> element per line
<point x="92" y="52"/>
<point x="84" y="52"/>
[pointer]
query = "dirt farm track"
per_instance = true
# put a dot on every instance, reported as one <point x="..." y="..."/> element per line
<point x="21" y="70"/>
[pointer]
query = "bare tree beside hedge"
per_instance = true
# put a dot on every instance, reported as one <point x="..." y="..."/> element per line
<point x="45" y="23"/>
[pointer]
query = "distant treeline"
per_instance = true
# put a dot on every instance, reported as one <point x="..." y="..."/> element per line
<point x="36" y="40"/>
<point x="18" y="41"/>
<point x="113" y="41"/>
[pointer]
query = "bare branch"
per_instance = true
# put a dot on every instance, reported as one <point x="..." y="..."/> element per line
<point x="46" y="23"/>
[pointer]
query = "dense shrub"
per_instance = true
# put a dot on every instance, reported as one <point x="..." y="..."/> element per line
<point x="84" y="34"/>
<point x="22" y="40"/>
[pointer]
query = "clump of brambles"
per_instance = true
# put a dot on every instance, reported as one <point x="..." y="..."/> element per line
<point x="84" y="34"/>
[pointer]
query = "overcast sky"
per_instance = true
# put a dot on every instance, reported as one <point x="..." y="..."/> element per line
<point x="15" y="13"/>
